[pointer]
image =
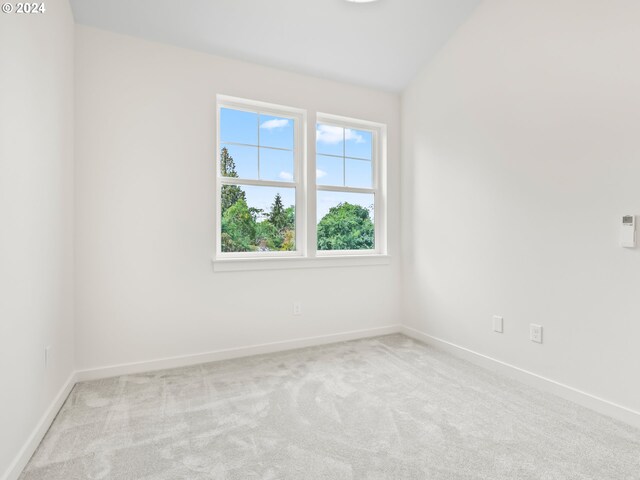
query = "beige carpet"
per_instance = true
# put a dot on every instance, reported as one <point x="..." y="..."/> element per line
<point x="382" y="408"/>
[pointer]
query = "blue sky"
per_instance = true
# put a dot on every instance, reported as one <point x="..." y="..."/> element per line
<point x="248" y="136"/>
<point x="262" y="148"/>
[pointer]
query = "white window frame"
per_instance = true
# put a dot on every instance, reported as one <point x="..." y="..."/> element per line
<point x="306" y="253"/>
<point x="299" y="174"/>
<point x="378" y="181"/>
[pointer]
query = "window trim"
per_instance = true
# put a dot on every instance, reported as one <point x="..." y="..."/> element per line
<point x="299" y="116"/>
<point x="294" y="263"/>
<point x="306" y="254"/>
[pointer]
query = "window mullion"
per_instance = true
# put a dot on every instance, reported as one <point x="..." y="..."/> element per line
<point x="258" y="119"/>
<point x="257" y="183"/>
<point x="337" y="188"/>
<point x="344" y="155"/>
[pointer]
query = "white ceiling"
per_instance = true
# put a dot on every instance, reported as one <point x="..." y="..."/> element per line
<point x="380" y="44"/>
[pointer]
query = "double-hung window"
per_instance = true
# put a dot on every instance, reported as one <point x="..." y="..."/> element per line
<point x="260" y="188"/>
<point x="275" y="202"/>
<point x="349" y="183"/>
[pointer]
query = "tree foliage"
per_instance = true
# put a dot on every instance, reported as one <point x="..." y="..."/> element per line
<point x="230" y="193"/>
<point x="267" y="236"/>
<point x="277" y="215"/>
<point x="244" y="228"/>
<point x="346" y="227"/>
<point x="247" y="229"/>
<point x="238" y="228"/>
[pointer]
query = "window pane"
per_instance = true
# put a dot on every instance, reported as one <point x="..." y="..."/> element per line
<point x="276" y="132"/>
<point x="329" y="170"/>
<point x="345" y="221"/>
<point x="358" y="143"/>
<point x="239" y="161"/>
<point x="329" y="140"/>
<point x="238" y="127"/>
<point x="276" y="165"/>
<point x="257" y="219"/>
<point x="358" y="173"/>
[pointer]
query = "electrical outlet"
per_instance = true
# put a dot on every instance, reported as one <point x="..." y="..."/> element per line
<point x="535" y="333"/>
<point x="47" y="356"/>
<point x="498" y="324"/>
<point x="297" y="308"/>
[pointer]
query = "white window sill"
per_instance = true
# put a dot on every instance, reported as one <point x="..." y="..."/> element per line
<point x="284" y="263"/>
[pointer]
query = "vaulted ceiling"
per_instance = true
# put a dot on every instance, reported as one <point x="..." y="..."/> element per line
<point x="380" y="44"/>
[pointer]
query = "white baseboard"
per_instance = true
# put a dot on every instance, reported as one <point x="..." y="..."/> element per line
<point x="575" y="395"/>
<point x="585" y="399"/>
<point x="229" y="353"/>
<point x="21" y="460"/>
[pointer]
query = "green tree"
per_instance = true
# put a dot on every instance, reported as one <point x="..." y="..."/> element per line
<point x="238" y="228"/>
<point x="289" y="231"/>
<point x="346" y="227"/>
<point x="230" y="193"/>
<point x="277" y="215"/>
<point x="256" y="213"/>
<point x="278" y="230"/>
<point x="267" y="237"/>
<point x="290" y="213"/>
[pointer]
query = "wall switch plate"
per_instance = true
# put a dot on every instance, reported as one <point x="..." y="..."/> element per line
<point x="297" y="308"/>
<point x="498" y="324"/>
<point x="535" y="333"/>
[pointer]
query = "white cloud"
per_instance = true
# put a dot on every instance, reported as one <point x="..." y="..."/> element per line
<point x="320" y="173"/>
<point x="286" y="175"/>
<point x="328" y="134"/>
<point x="274" y="123"/>
<point x="332" y="135"/>
<point x="352" y="135"/>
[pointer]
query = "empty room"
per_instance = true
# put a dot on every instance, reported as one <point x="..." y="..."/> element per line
<point x="320" y="239"/>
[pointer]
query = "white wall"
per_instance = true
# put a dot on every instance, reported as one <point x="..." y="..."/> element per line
<point x="520" y="153"/>
<point x="36" y="218"/>
<point x="145" y="155"/>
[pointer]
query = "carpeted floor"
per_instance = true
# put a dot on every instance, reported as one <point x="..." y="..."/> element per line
<point x="382" y="408"/>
